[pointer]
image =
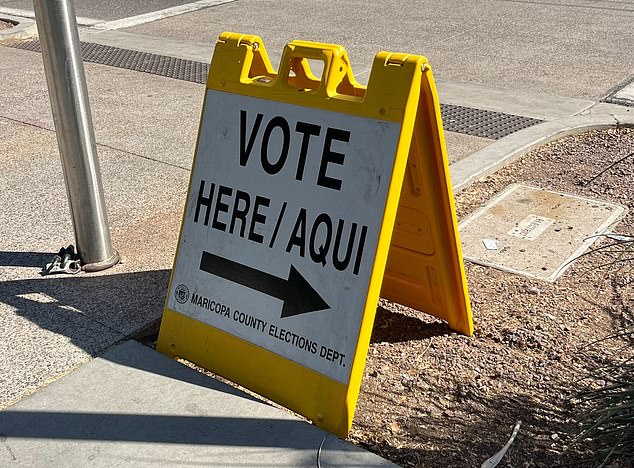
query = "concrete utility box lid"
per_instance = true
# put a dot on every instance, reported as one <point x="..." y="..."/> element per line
<point x="535" y="232"/>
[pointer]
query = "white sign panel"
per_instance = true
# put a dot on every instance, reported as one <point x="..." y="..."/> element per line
<point x="281" y="226"/>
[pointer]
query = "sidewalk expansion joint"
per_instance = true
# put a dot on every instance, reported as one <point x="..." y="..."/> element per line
<point x="459" y="119"/>
<point x="102" y="145"/>
<point x="114" y="148"/>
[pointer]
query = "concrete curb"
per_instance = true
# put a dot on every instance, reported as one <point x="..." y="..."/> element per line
<point x="24" y="29"/>
<point x="508" y="149"/>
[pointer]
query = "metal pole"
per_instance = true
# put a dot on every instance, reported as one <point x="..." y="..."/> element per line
<point x="66" y="81"/>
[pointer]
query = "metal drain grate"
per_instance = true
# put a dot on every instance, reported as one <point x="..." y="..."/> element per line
<point x="171" y="67"/>
<point x="459" y="119"/>
<point x="482" y="123"/>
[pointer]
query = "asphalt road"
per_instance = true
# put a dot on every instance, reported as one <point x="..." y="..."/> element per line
<point x="105" y="10"/>
<point x="573" y="48"/>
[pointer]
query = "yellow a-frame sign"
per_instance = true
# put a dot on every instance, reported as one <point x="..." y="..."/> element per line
<point x="302" y="190"/>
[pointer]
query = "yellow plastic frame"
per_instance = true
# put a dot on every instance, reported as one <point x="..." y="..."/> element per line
<point x="400" y="89"/>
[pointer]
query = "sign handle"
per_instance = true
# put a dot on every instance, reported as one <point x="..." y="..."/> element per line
<point x="337" y="77"/>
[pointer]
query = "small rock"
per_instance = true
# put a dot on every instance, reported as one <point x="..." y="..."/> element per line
<point x="406" y="380"/>
<point x="395" y="428"/>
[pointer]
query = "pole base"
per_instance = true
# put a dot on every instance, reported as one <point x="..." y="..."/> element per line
<point x="103" y="265"/>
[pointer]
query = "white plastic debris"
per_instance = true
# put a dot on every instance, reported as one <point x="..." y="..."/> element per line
<point x="490" y="244"/>
<point x="620" y="238"/>
<point x="497" y="458"/>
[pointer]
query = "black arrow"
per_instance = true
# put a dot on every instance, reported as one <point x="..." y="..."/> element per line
<point x="298" y="295"/>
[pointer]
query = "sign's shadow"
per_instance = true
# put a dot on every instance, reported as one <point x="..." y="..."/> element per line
<point x="394" y="327"/>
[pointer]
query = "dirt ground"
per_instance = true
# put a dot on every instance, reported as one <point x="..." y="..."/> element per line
<point x="5" y="25"/>
<point x="431" y="397"/>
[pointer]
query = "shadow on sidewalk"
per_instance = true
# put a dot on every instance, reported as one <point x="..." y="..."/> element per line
<point x="96" y="312"/>
<point x="154" y="428"/>
<point x="133" y="395"/>
<point x="24" y="259"/>
<point x="93" y="311"/>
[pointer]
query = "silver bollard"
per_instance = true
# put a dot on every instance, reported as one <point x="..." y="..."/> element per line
<point x="66" y="81"/>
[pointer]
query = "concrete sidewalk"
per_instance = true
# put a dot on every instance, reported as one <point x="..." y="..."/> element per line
<point x="135" y="407"/>
<point x="145" y="130"/>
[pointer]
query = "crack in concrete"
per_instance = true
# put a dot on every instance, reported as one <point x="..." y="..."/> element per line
<point x="3" y="439"/>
